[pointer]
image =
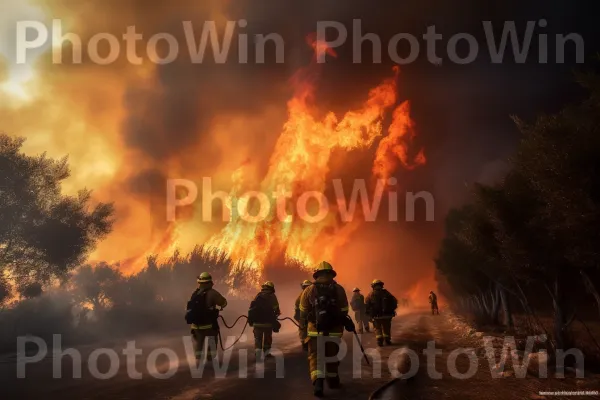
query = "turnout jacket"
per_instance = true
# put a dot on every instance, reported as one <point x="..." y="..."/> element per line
<point x="358" y="302"/>
<point x="214" y="299"/>
<point x="269" y="295"/>
<point x="297" y="307"/>
<point x="307" y="306"/>
<point x="373" y="302"/>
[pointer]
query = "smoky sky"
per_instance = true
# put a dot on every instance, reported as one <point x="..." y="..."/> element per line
<point x="462" y="112"/>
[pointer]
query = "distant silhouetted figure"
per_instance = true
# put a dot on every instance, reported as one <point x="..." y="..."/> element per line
<point x="433" y="302"/>
<point x="360" y="311"/>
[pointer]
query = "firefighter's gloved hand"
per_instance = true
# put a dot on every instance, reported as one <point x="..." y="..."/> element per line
<point x="349" y="324"/>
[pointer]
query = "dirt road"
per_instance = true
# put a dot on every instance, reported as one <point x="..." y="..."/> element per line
<point x="248" y="380"/>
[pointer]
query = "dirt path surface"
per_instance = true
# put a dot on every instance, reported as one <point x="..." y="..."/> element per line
<point x="248" y="380"/>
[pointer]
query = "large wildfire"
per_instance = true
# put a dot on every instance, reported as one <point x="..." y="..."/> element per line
<point x="300" y="163"/>
<point x="122" y="141"/>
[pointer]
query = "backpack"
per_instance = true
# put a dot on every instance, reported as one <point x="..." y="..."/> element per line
<point x="383" y="304"/>
<point x="198" y="311"/>
<point x="389" y="304"/>
<point x="260" y="311"/>
<point x="326" y="314"/>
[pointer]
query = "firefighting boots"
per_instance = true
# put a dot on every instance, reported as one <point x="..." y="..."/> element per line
<point x="388" y="341"/>
<point x="318" y="389"/>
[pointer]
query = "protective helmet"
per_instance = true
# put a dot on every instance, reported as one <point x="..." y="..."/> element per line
<point x="322" y="267"/>
<point x="306" y="284"/>
<point x="204" y="278"/>
<point x="268" y="285"/>
<point x="376" y="282"/>
<point x="356" y="289"/>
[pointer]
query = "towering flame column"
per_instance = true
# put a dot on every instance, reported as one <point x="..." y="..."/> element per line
<point x="300" y="163"/>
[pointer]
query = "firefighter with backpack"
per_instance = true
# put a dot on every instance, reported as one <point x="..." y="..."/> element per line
<point x="324" y="314"/>
<point x="301" y="330"/>
<point x="381" y="308"/>
<point x="202" y="314"/>
<point x="262" y="316"/>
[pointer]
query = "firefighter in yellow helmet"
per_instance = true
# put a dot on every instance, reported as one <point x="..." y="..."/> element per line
<point x="262" y="315"/>
<point x="360" y="311"/>
<point x="302" y="330"/>
<point x="202" y="313"/>
<point x="381" y="308"/>
<point x="323" y="311"/>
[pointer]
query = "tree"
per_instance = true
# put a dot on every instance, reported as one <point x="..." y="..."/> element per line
<point x="512" y="236"/>
<point x="539" y="227"/>
<point x="31" y="291"/>
<point x="4" y="290"/>
<point x="463" y="261"/>
<point x="43" y="234"/>
<point x="97" y="285"/>
<point x="559" y="159"/>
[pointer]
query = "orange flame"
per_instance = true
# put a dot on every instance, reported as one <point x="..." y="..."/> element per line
<point x="300" y="163"/>
<point x="393" y="149"/>
<point x="319" y="47"/>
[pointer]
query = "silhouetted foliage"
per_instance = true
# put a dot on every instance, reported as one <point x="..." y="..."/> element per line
<point x="4" y="290"/>
<point x="96" y="285"/>
<point x="45" y="238"/>
<point x="31" y="291"/>
<point x="536" y="234"/>
<point x="43" y="234"/>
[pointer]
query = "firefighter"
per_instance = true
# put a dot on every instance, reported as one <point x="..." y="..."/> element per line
<point x="358" y="306"/>
<point x="381" y="308"/>
<point x="262" y="315"/>
<point x="301" y="331"/>
<point x="433" y="302"/>
<point x="324" y="313"/>
<point x="202" y="313"/>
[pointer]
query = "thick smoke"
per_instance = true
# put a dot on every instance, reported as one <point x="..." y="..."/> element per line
<point x="189" y="121"/>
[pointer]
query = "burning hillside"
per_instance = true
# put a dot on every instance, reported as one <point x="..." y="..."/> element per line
<point x="299" y="167"/>
<point x="128" y="129"/>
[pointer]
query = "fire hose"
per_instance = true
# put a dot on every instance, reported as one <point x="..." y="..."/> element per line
<point x="230" y="327"/>
<point x="243" y="329"/>
<point x="288" y="318"/>
<point x="278" y="319"/>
